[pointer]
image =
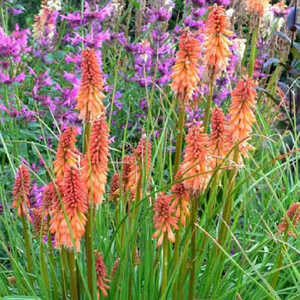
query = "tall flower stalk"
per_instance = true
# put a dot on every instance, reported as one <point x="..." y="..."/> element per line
<point x="196" y="169"/>
<point x="185" y="77"/>
<point x="165" y="222"/>
<point x="256" y="9"/>
<point x="21" y="202"/>
<point x="217" y="51"/>
<point x="91" y="107"/>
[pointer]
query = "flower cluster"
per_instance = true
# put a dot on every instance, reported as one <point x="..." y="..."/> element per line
<point x="21" y="191"/>
<point x="164" y="219"/>
<point x="186" y="72"/>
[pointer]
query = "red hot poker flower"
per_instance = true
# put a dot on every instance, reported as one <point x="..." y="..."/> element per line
<point x="141" y="160"/>
<point x="181" y="200"/>
<point x="241" y="112"/>
<point x="75" y="205"/>
<point x="67" y="153"/>
<point x="164" y="220"/>
<point x="21" y="191"/>
<point x="101" y="272"/>
<point x="293" y="214"/>
<point x="217" y="43"/>
<point x="196" y="160"/>
<point x="90" y="96"/>
<point x="95" y="163"/>
<point x="258" y="7"/>
<point x="220" y="138"/>
<point x="186" y="74"/>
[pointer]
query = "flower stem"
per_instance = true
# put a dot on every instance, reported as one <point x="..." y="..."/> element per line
<point x="44" y="270"/>
<point x="89" y="252"/>
<point x="253" y="51"/>
<point x="208" y="106"/>
<point x="89" y="225"/>
<point x="179" y="139"/>
<point x="73" y="275"/>
<point x="27" y="248"/>
<point x="193" y="248"/>
<point x="63" y="273"/>
<point x="52" y="266"/>
<point x="279" y="263"/>
<point x="176" y="257"/>
<point x="226" y="214"/>
<point x="165" y="268"/>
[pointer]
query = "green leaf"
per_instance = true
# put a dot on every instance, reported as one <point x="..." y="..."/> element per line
<point x="21" y="298"/>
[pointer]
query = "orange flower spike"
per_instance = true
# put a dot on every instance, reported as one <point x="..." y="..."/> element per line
<point x="21" y="191"/>
<point x="164" y="219"/>
<point x="181" y="201"/>
<point x="75" y="205"/>
<point x="75" y="200"/>
<point x="115" y="187"/>
<point x="217" y="43"/>
<point x="185" y="73"/>
<point x="128" y="163"/>
<point x="141" y="158"/>
<point x="257" y="7"/>
<point x="51" y="198"/>
<point x="143" y="153"/>
<point x="95" y="163"/>
<point x="243" y="101"/>
<point x="67" y="153"/>
<point x="39" y="224"/>
<point x="101" y="272"/>
<point x="220" y="138"/>
<point x="293" y="214"/>
<point x="90" y="96"/>
<point x="196" y="160"/>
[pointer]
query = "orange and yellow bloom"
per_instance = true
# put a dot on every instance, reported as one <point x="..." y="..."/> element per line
<point x="74" y="201"/>
<point x="181" y="200"/>
<point x="67" y="153"/>
<point x="220" y="139"/>
<point x="90" y="96"/>
<point x="140" y="161"/>
<point x="164" y="219"/>
<point x="257" y="7"/>
<point x="186" y="74"/>
<point x="195" y="165"/>
<point x="217" y="42"/>
<point x="242" y="113"/>
<point x="95" y="162"/>
<point x="101" y="272"/>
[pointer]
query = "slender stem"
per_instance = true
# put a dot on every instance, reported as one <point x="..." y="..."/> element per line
<point x="279" y="263"/>
<point x="179" y="139"/>
<point x="44" y="270"/>
<point x="244" y="59"/>
<point x="89" y="252"/>
<point x="27" y="248"/>
<point x="165" y="268"/>
<point x="73" y="275"/>
<point x="253" y="51"/>
<point x="53" y="266"/>
<point x="193" y="248"/>
<point x="89" y="225"/>
<point x="176" y="258"/>
<point x="132" y="221"/>
<point x="63" y="273"/>
<point x="226" y="214"/>
<point x="208" y="106"/>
